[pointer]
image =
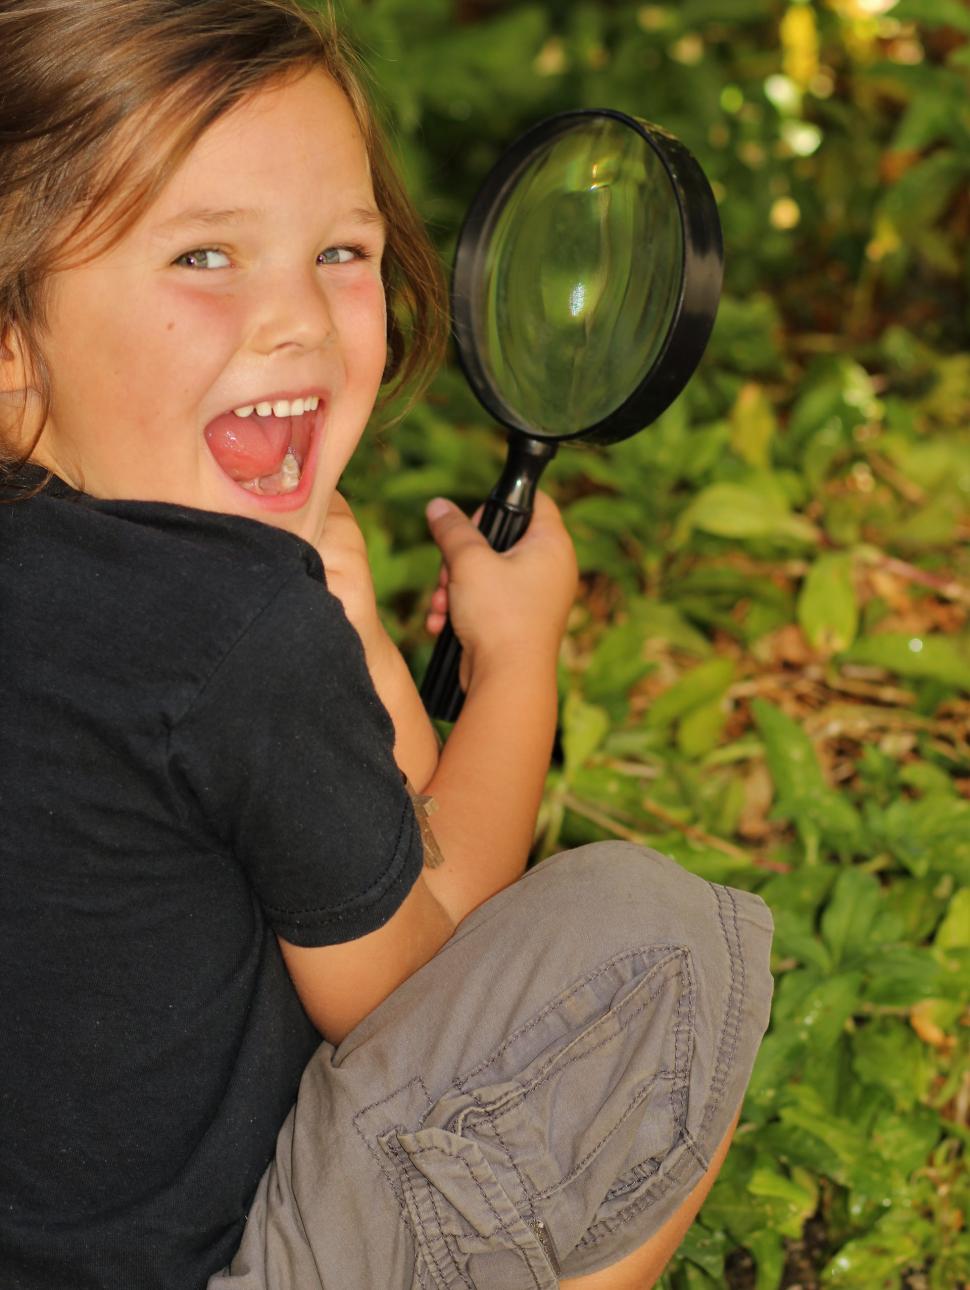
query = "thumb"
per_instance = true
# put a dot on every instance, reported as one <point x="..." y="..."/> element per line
<point x="451" y="529"/>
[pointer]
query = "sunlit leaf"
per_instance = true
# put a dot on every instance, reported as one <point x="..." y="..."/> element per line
<point x="827" y="606"/>
<point x="940" y="658"/>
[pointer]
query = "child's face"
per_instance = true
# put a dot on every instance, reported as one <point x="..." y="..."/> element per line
<point x="152" y="348"/>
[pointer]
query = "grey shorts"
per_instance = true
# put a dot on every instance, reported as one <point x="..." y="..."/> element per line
<point x="535" y="1102"/>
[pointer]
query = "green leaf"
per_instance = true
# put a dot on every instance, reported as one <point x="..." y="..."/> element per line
<point x="904" y="975"/>
<point x="856" y="902"/>
<point x="816" y="1008"/>
<point x="845" y="1140"/>
<point x="929" y="835"/>
<point x="818" y="811"/>
<point x="935" y="13"/>
<point x="769" y="1255"/>
<point x="827" y="606"/>
<point x="704" y="683"/>
<point x="664" y="624"/>
<point x="889" y="1055"/>
<point x="616" y="665"/>
<point x="872" y="1260"/>
<point x="753" y="426"/>
<point x="937" y="657"/>
<point x="584" y="727"/>
<point x="953" y="932"/>
<point x="798" y="1198"/>
<point x="706" y="1249"/>
<point x="753" y="510"/>
<point x="700" y="729"/>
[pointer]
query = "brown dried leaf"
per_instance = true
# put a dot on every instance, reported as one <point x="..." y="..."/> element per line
<point x="921" y="1019"/>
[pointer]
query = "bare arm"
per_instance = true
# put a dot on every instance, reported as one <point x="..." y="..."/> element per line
<point x="509" y="611"/>
<point x="344" y="554"/>
<point x="339" y="985"/>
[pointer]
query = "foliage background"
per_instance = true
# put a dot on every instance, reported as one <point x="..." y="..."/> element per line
<point x="767" y="673"/>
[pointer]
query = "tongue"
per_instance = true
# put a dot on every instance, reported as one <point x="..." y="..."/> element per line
<point x="249" y="447"/>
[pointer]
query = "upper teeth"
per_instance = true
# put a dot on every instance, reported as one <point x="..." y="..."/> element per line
<point x="281" y="408"/>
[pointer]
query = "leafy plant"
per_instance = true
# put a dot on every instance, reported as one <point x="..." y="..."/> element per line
<point x="768" y="672"/>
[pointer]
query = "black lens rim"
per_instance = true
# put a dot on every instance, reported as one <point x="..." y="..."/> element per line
<point x="702" y="268"/>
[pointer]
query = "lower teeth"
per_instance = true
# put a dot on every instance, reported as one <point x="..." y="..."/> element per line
<point x="286" y="479"/>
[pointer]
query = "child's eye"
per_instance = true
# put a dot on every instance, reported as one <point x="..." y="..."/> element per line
<point x="201" y="258"/>
<point x="343" y="254"/>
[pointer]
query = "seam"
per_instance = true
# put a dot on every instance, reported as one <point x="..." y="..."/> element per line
<point x="677" y="1077"/>
<point x="381" y="1162"/>
<point x="355" y="904"/>
<point x="243" y="631"/>
<point x="556" y="1003"/>
<point x="425" y="1245"/>
<point x="581" y="1164"/>
<point x="529" y="1199"/>
<point x="606" y="1227"/>
<point x="437" y="1214"/>
<point x="502" y="1226"/>
<point x="550" y="1071"/>
<point x="683" y="1045"/>
<point x="731" y="1021"/>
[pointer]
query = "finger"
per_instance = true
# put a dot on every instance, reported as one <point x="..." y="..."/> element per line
<point x="452" y="531"/>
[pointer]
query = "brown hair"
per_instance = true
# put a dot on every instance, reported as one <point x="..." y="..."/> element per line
<point x="100" y="101"/>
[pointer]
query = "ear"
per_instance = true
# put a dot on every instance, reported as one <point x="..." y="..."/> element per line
<point x="14" y="378"/>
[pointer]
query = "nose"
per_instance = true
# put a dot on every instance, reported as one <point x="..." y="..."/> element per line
<point x="292" y="311"/>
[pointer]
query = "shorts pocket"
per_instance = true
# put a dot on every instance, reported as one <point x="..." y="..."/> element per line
<point x="467" y="1231"/>
<point x="577" y="1109"/>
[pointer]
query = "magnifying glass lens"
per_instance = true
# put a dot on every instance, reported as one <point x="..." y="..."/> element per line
<point x="567" y="322"/>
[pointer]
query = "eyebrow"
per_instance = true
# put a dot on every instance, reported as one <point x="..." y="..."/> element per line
<point x="206" y="217"/>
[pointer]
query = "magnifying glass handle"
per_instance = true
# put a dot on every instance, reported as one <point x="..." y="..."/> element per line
<point x="505" y="517"/>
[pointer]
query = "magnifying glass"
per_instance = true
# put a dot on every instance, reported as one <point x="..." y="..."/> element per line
<point x="586" y="282"/>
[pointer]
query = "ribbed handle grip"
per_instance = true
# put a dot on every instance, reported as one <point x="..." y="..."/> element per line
<point x="441" y="691"/>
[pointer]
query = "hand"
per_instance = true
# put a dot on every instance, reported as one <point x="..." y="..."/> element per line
<point x="342" y="549"/>
<point x="503" y="605"/>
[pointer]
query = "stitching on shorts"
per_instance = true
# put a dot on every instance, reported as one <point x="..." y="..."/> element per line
<point x="731" y="1023"/>
<point x="426" y="1245"/>
<point x="529" y="1200"/>
<point x="678" y="1074"/>
<point x="549" y="1072"/>
<point x="683" y="1047"/>
<point x="606" y="1227"/>
<point x="462" y="1080"/>
<point x="581" y="1164"/>
<point x="381" y="1162"/>
<point x="437" y="1214"/>
<point x="724" y="1058"/>
<point x="502" y="1226"/>
<point x="694" y="1149"/>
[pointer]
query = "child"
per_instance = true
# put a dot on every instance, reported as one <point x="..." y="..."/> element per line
<point x="209" y="857"/>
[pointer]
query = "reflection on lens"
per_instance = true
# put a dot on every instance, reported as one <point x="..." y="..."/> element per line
<point x="583" y="268"/>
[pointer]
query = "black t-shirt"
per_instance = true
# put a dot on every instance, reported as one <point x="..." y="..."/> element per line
<point x="192" y="757"/>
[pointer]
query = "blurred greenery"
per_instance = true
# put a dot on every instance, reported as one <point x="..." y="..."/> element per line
<point x="768" y="671"/>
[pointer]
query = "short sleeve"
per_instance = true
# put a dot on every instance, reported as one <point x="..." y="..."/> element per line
<point x="288" y="751"/>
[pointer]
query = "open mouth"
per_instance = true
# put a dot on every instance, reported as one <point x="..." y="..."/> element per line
<point x="263" y="447"/>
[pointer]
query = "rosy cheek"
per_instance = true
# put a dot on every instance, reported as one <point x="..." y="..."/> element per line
<point x="198" y="326"/>
<point x="366" y="299"/>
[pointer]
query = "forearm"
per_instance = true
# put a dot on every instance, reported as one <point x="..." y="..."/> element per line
<point x="416" y="745"/>
<point x="489" y="781"/>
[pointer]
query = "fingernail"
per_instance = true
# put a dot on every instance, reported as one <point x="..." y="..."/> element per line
<point x="436" y="508"/>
